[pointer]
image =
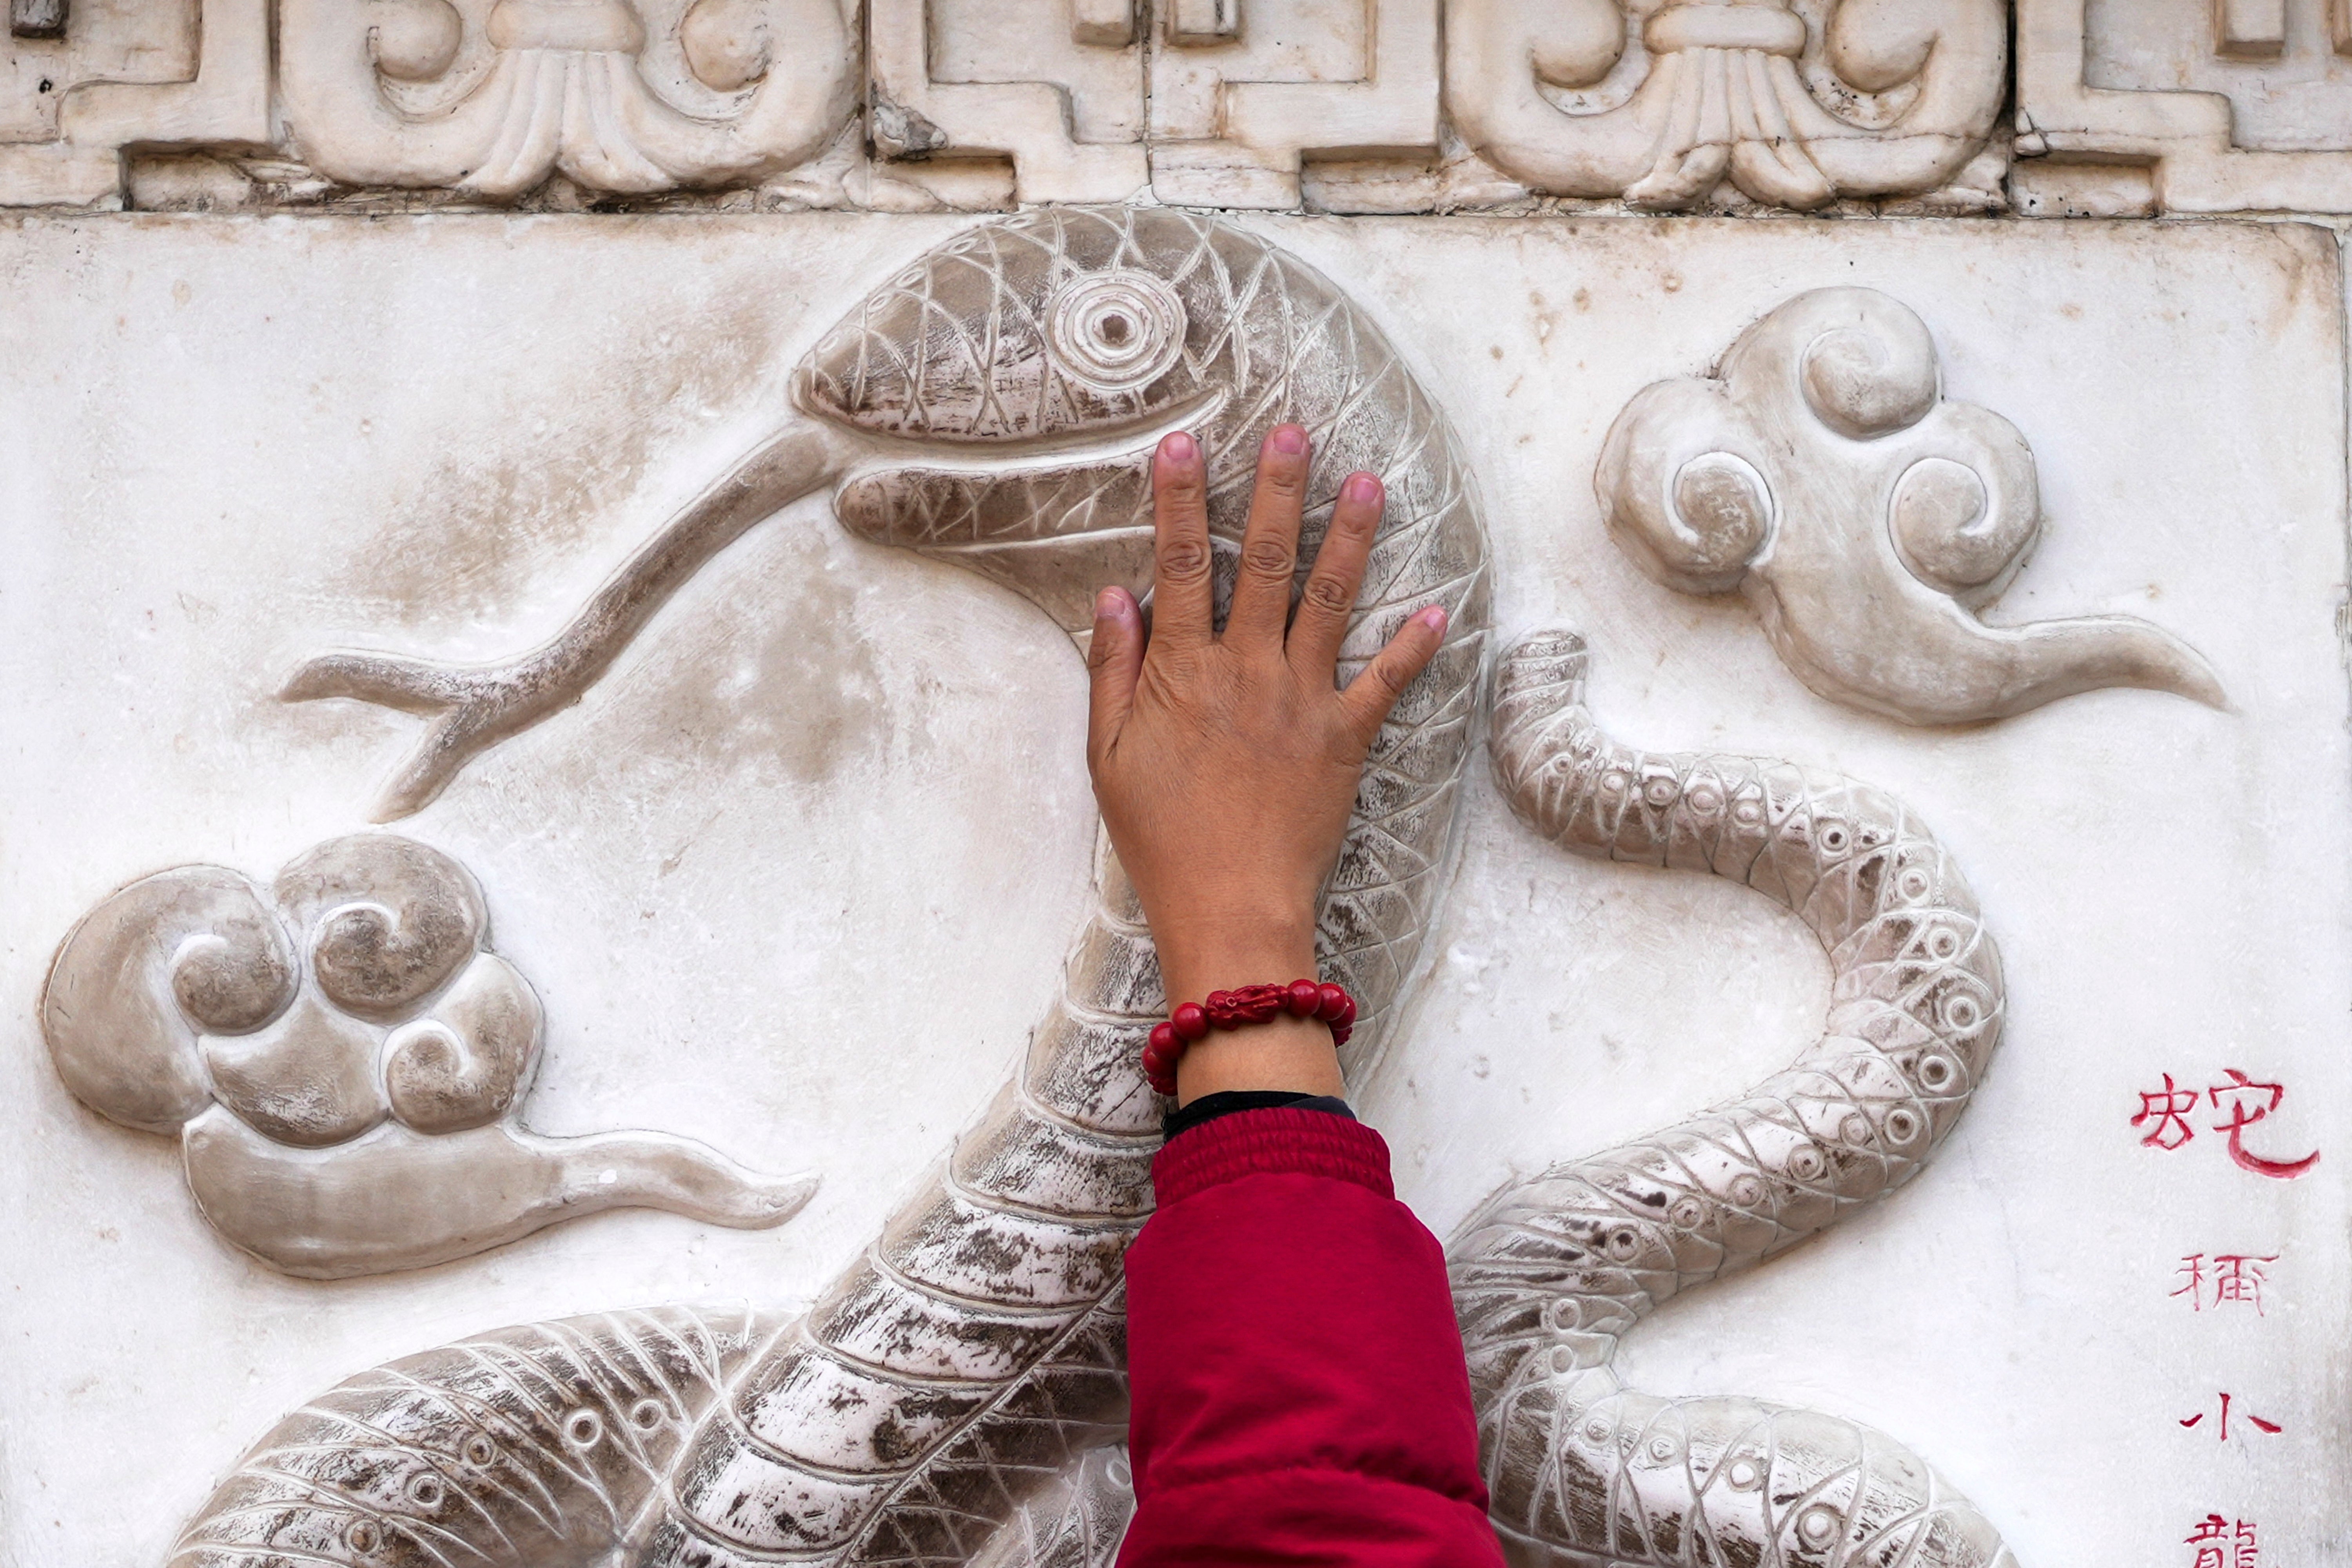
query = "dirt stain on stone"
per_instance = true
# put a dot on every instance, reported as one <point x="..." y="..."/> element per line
<point x="463" y="538"/>
<point x="768" y="678"/>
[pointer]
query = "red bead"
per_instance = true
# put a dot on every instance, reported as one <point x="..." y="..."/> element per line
<point x="1347" y="1018"/>
<point x="1331" y="1000"/>
<point x="1301" y="997"/>
<point x="1165" y="1084"/>
<point x="1163" y="1041"/>
<point x="1189" y="1022"/>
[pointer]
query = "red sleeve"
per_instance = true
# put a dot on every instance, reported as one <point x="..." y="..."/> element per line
<point x="1299" y="1391"/>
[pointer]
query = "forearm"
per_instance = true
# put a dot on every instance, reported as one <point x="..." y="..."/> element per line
<point x="1298" y="1374"/>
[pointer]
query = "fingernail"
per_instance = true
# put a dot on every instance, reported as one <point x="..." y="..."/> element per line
<point x="1112" y="605"/>
<point x="1361" y="489"/>
<point x="1287" y="440"/>
<point x="1177" y="446"/>
<point x="1432" y="616"/>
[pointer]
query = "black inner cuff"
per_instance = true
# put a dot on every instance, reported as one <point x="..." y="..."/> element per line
<point x="1209" y="1107"/>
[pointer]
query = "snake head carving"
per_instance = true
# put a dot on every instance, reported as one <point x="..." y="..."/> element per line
<point x="1037" y="359"/>
<point x="1822" y="473"/>
<point x="344" y="1059"/>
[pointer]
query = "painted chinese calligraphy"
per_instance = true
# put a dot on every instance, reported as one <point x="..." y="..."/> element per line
<point x="2232" y="1277"/>
<point x="2165" y="1114"/>
<point x="2239" y="1087"/>
<point x="2169" y="1108"/>
<point x="2223" y="1432"/>
<point x="2224" y="1543"/>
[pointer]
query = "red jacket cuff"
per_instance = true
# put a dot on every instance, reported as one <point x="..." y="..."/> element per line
<point x="1279" y="1140"/>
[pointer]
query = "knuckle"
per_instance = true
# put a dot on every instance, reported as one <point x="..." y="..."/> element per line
<point x="1329" y="593"/>
<point x="1282" y="479"/>
<point x="1183" y="560"/>
<point x="1267" y="557"/>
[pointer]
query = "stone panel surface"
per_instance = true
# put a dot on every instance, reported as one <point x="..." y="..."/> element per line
<point x="796" y="877"/>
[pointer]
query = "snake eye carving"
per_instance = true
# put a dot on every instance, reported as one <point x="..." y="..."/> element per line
<point x="1115" y="332"/>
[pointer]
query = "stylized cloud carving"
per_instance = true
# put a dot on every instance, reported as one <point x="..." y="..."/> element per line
<point x="343" y="1058"/>
<point x="1820" y="472"/>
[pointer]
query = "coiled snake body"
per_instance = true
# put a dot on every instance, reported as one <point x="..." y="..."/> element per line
<point x="957" y="1395"/>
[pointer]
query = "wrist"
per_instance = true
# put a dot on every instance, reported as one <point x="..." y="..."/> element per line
<point x="1225" y="954"/>
<point x="1285" y="1053"/>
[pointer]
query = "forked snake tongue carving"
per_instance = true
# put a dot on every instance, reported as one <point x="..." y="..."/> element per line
<point x="951" y="1397"/>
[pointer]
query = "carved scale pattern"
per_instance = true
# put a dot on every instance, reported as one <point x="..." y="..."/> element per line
<point x="1553" y="1271"/>
<point x="969" y="1363"/>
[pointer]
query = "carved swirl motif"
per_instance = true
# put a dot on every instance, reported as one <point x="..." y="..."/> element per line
<point x="493" y="98"/>
<point x="1822" y="474"/>
<point x="342" y="1058"/>
<point x="1552" y="1272"/>
<point x="1723" y="96"/>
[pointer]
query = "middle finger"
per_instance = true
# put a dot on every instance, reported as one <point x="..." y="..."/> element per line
<point x="1270" y="544"/>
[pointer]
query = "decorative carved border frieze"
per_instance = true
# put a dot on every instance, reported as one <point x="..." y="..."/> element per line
<point x="1233" y="118"/>
<point x="490" y="99"/>
<point x="1071" y="121"/>
<point x="2183" y="138"/>
<point x="93" y="66"/>
<point x="1794" y="104"/>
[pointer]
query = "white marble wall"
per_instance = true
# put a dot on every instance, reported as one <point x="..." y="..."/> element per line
<point x="282" y="368"/>
<point x="797" y="878"/>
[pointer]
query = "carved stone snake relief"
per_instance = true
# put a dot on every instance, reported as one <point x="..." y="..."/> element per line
<point x="957" y="1396"/>
<point x="1552" y="1272"/>
<point x="995" y="405"/>
<point x="344" y="1060"/>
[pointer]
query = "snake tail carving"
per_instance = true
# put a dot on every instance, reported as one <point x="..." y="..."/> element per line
<point x="957" y="1395"/>
<point x="1552" y="1272"/>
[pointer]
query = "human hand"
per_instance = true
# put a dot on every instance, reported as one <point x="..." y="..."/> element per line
<point x="1227" y="765"/>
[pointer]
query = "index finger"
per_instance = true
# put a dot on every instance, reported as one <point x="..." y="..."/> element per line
<point x="1180" y="598"/>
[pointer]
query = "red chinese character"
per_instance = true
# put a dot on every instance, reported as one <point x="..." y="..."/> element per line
<point x="2243" y="1114"/>
<point x="2237" y="1279"/>
<point x="2210" y="1531"/>
<point x="2193" y="1266"/>
<point x="2259" y="1424"/>
<point x="2245" y="1557"/>
<point x="2168" y="1109"/>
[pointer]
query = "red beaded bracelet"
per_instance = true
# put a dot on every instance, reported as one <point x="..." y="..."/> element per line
<point x="1232" y="1009"/>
